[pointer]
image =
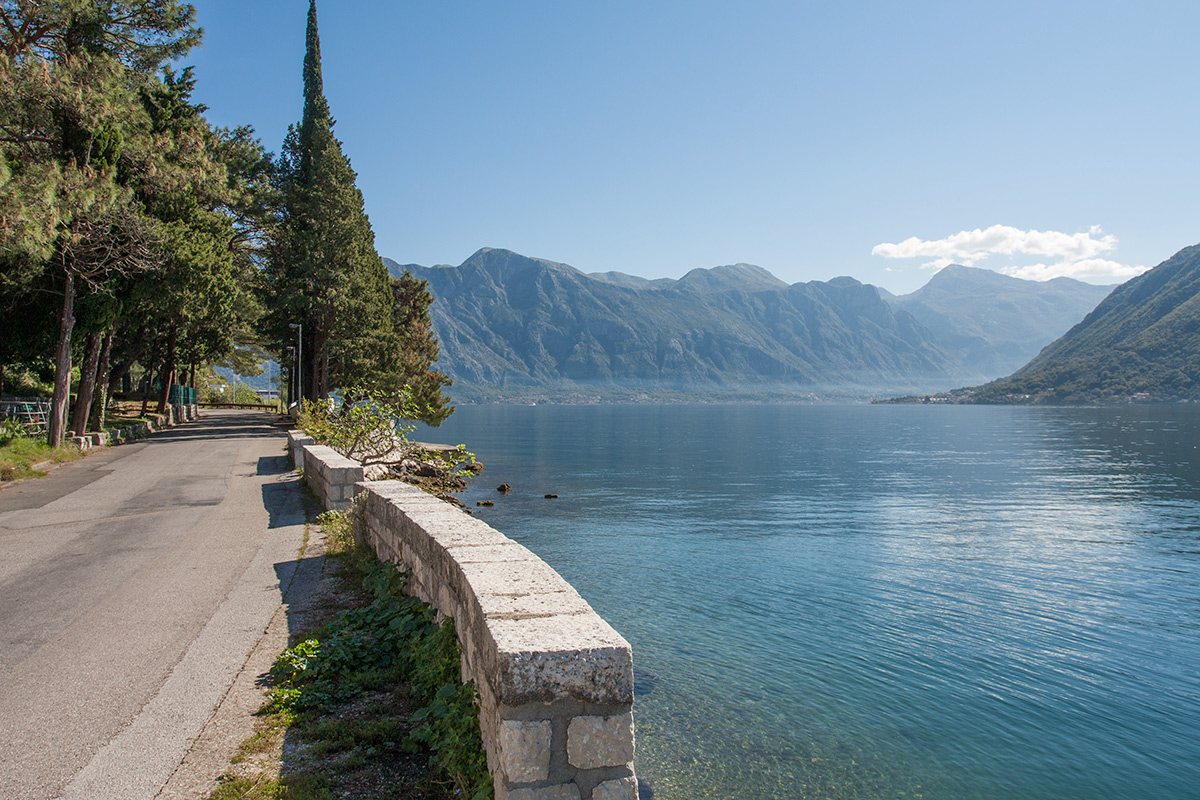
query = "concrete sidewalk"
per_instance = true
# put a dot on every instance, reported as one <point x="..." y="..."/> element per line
<point x="134" y="586"/>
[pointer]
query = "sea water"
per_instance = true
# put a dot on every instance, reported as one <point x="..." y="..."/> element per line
<point x="942" y="602"/>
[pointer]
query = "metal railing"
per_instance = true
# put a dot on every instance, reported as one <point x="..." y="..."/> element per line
<point x="32" y="412"/>
<point x="182" y="395"/>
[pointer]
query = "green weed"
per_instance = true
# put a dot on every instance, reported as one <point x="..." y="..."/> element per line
<point x="18" y="454"/>
<point x="393" y="639"/>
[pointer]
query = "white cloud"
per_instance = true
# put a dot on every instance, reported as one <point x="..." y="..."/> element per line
<point x="1073" y="255"/>
<point x="1089" y="268"/>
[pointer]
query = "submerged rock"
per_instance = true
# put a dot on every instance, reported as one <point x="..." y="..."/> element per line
<point x="643" y="683"/>
<point x="551" y="497"/>
<point x="504" y="488"/>
<point x="451" y="499"/>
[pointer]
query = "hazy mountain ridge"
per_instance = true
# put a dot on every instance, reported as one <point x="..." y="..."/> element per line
<point x="508" y="322"/>
<point x="995" y="322"/>
<point x="1142" y="342"/>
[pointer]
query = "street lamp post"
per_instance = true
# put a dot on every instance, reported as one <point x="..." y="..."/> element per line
<point x="299" y="327"/>
<point x="291" y="376"/>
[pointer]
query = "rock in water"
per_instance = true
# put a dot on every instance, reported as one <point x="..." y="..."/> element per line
<point x="643" y="683"/>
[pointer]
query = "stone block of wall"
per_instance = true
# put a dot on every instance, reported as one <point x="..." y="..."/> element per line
<point x="330" y="475"/>
<point x="296" y="441"/>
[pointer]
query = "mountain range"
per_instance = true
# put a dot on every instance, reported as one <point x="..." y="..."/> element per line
<point x="514" y="327"/>
<point x="1142" y="343"/>
<point x="994" y="322"/>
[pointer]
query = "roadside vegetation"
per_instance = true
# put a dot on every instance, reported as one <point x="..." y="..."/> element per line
<point x="20" y="454"/>
<point x="366" y="704"/>
<point x="369" y="426"/>
<point x="140" y="244"/>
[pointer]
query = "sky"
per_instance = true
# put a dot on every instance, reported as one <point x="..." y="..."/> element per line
<point x="880" y="140"/>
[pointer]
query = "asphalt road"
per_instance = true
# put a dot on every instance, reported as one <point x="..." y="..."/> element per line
<point x="133" y="586"/>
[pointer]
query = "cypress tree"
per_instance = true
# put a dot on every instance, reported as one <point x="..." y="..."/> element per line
<point x="326" y="274"/>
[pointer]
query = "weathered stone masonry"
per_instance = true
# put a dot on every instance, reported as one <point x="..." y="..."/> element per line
<point x="555" y="681"/>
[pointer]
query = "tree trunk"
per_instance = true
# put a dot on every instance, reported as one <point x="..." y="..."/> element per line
<point x="62" y="373"/>
<point x="321" y="376"/>
<point x="87" y="382"/>
<point x="318" y="344"/>
<point x="167" y="375"/>
<point x="1" y="381"/>
<point x="122" y="369"/>
<point x="148" y="386"/>
<point x="100" y="402"/>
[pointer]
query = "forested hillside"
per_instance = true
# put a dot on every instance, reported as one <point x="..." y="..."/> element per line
<point x="1141" y="343"/>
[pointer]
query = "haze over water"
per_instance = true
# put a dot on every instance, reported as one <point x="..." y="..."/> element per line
<point x="878" y="601"/>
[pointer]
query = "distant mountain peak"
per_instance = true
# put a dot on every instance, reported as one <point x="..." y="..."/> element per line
<point x="498" y="257"/>
<point x="995" y="321"/>
<point x="746" y="277"/>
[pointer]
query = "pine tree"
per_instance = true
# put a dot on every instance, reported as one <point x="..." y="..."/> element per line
<point x="71" y="125"/>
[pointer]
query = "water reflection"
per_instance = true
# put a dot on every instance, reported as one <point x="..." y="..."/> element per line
<point x="874" y="601"/>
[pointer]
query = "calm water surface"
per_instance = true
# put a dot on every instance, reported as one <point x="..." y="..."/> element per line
<point x="878" y="601"/>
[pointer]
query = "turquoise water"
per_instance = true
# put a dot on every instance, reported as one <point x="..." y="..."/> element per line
<point x="878" y="601"/>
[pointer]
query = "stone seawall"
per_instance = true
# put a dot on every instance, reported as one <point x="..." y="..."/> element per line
<point x="555" y="681"/>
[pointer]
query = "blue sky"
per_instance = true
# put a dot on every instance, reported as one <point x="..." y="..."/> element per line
<point x="879" y="140"/>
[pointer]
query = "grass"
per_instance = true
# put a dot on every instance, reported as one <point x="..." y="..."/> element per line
<point x="19" y="454"/>
<point x="344" y="715"/>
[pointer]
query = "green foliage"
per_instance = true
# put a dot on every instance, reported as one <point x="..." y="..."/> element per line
<point x="244" y="393"/>
<point x="416" y="349"/>
<point x="19" y="453"/>
<point x="11" y="429"/>
<point x="294" y="661"/>
<point x="394" y="638"/>
<point x="366" y="427"/>
<point x="114" y="188"/>
<point x="290" y="787"/>
<point x="324" y="272"/>
<point x="359" y="328"/>
<point x="449" y="720"/>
